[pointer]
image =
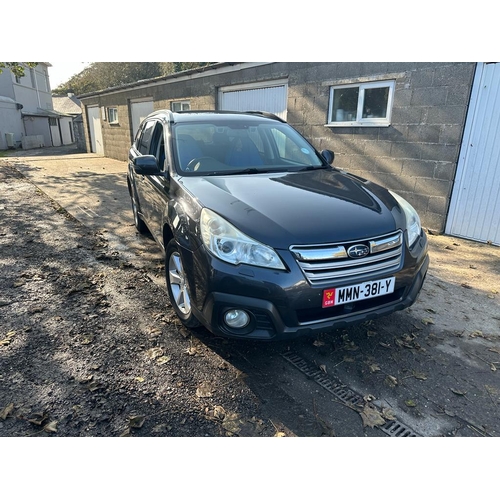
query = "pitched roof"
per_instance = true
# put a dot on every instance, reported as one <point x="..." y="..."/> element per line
<point x="69" y="104"/>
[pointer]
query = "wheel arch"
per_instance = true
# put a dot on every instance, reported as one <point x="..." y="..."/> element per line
<point x="168" y="235"/>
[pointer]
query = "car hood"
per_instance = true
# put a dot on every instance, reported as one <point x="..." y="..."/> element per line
<point x="299" y="208"/>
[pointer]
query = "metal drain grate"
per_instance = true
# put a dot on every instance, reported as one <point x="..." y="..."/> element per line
<point x="395" y="429"/>
<point x="392" y="428"/>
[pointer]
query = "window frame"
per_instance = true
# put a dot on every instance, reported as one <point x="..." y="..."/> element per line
<point x="157" y="143"/>
<point x="182" y="103"/>
<point x="112" y="110"/>
<point x="359" y="121"/>
<point x="143" y="142"/>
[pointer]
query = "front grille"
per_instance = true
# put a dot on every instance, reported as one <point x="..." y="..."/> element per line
<point x="330" y="263"/>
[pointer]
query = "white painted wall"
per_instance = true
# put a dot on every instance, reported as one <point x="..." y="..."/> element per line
<point x="38" y="126"/>
<point x="10" y="122"/>
<point x="33" y="90"/>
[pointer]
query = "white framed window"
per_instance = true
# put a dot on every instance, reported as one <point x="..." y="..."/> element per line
<point x="112" y="115"/>
<point x="180" y="106"/>
<point x="361" y="104"/>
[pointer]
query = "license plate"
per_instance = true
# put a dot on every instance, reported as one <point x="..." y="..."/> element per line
<point x="362" y="291"/>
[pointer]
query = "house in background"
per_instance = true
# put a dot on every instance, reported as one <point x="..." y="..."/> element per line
<point x="69" y="105"/>
<point x="27" y="116"/>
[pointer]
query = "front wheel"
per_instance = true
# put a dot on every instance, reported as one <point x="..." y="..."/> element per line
<point x="177" y="286"/>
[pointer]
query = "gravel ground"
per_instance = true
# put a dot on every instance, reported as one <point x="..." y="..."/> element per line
<point x="89" y="345"/>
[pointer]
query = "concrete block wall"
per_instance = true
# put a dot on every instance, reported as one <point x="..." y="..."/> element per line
<point x="118" y="137"/>
<point x="196" y="102"/>
<point x="79" y="133"/>
<point x="417" y="154"/>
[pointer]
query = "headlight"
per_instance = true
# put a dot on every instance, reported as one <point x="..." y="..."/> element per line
<point x="413" y="225"/>
<point x="227" y="243"/>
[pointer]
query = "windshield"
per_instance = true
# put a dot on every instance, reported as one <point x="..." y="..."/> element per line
<point x="233" y="147"/>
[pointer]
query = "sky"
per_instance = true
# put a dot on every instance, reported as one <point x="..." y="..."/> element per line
<point x="61" y="72"/>
<point x="320" y="31"/>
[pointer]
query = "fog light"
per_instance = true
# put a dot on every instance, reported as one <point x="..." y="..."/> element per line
<point x="236" y="318"/>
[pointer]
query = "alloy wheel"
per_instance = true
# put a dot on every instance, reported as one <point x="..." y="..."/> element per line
<point x="178" y="283"/>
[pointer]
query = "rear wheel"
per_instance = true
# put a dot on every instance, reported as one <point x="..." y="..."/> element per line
<point x="177" y="286"/>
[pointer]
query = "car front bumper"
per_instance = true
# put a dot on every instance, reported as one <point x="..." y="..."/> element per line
<point x="282" y="304"/>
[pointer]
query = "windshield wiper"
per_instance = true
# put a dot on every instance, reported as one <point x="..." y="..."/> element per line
<point x="312" y="167"/>
<point x="252" y="170"/>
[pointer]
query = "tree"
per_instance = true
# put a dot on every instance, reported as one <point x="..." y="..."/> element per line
<point x="103" y="75"/>
<point x="17" y="68"/>
<point x="176" y="67"/>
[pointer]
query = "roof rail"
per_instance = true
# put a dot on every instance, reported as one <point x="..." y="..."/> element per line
<point x="161" y="112"/>
<point x="267" y="115"/>
<point x="264" y="114"/>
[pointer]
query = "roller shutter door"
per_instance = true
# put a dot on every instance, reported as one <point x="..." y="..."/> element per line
<point x="271" y="98"/>
<point x="139" y="110"/>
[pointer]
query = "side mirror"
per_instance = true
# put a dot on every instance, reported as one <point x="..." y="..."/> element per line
<point x="328" y="156"/>
<point x="146" y="165"/>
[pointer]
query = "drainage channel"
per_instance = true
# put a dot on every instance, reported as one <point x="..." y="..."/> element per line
<point x="392" y="428"/>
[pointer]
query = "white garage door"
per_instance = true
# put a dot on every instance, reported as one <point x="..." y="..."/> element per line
<point x="139" y="110"/>
<point x="271" y="97"/>
<point x="94" y="120"/>
<point x="475" y="204"/>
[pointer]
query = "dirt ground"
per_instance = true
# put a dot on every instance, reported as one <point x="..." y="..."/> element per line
<point x="89" y="345"/>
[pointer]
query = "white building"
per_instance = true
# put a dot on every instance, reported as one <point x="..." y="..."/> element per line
<point x="27" y="116"/>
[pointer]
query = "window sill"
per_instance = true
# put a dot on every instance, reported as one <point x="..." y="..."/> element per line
<point x="357" y="124"/>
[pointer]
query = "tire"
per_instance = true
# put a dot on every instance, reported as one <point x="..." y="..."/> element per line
<point x="177" y="286"/>
<point x="138" y="222"/>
